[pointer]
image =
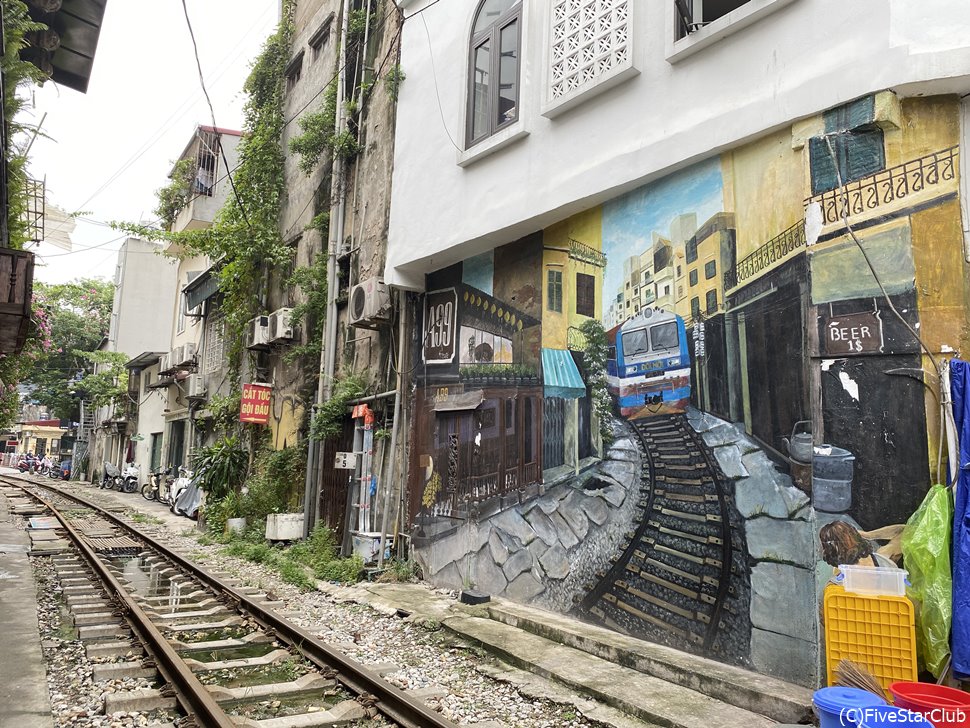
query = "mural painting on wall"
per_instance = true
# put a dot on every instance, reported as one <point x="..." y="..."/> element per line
<point x="769" y="412"/>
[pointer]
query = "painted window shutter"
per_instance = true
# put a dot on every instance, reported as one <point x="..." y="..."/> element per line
<point x="824" y="175"/>
<point x="865" y="153"/>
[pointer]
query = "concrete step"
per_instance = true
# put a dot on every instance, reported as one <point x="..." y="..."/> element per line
<point x="777" y="699"/>
<point x="635" y="693"/>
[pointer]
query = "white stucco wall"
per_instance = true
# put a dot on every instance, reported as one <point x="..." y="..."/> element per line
<point x="151" y="419"/>
<point x="781" y="60"/>
<point x="145" y="285"/>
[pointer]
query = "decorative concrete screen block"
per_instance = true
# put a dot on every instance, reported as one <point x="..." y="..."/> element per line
<point x="284" y="526"/>
<point x="590" y="42"/>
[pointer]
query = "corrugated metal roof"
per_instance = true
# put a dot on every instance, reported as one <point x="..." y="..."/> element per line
<point x="560" y="375"/>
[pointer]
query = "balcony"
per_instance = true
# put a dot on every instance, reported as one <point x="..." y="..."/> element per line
<point x="774" y="251"/>
<point x="921" y="179"/>
<point x="587" y="254"/>
<point x="16" y="290"/>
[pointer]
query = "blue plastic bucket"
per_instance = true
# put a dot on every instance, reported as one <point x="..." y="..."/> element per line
<point x="889" y="716"/>
<point x="840" y="707"/>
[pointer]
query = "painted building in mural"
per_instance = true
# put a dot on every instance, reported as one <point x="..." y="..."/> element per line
<point x="788" y="257"/>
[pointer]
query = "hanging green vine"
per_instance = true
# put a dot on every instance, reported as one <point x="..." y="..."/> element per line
<point x="594" y="366"/>
<point x="330" y="416"/>
<point x="318" y="131"/>
<point x="245" y="238"/>
<point x="312" y="311"/>
<point x="173" y="197"/>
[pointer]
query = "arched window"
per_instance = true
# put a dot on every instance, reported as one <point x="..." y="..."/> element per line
<point x="493" y="84"/>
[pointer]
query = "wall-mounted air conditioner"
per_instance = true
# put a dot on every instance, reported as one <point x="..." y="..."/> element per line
<point x="164" y="363"/>
<point x="196" y="386"/>
<point x="175" y="356"/>
<point x="188" y="355"/>
<point x="280" y="328"/>
<point x="370" y="304"/>
<point x="258" y="335"/>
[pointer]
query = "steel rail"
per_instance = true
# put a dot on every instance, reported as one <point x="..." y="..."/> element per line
<point x="191" y="694"/>
<point x="391" y="701"/>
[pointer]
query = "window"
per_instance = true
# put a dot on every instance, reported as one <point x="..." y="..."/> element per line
<point x="586" y="295"/>
<point x="554" y="291"/>
<point x="857" y="148"/>
<point x="695" y="307"/>
<point x="692" y="277"/>
<point x="293" y="71"/>
<point x="679" y="272"/>
<point x="711" y="301"/>
<point x="664" y="336"/>
<point x="180" y="320"/>
<point x="214" y="344"/>
<point x="318" y="41"/>
<point x="493" y="85"/>
<point x="694" y="14"/>
<point x="710" y="269"/>
<point x="666" y="290"/>
<point x="690" y="249"/>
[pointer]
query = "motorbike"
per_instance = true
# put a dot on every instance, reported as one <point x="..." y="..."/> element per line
<point x="187" y="497"/>
<point x="129" y="481"/>
<point x="23" y="466"/>
<point x="111" y="479"/>
<point x="159" y="488"/>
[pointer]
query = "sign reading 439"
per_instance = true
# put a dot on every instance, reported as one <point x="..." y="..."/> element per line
<point x="440" y="326"/>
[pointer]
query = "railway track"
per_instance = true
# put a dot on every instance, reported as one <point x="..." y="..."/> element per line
<point x="194" y="625"/>
<point x="680" y="579"/>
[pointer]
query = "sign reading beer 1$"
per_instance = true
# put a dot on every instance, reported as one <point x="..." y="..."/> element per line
<point x="255" y="403"/>
<point x="854" y="333"/>
<point x="440" y="317"/>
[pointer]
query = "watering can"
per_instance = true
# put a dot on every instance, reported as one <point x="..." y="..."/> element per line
<point x="800" y="445"/>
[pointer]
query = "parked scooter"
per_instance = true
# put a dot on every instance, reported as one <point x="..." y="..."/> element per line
<point x="111" y="480"/>
<point x="180" y="484"/>
<point x="130" y="479"/>
<point x="189" y="498"/>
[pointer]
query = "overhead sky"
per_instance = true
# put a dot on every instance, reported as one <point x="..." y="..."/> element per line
<point x="110" y="149"/>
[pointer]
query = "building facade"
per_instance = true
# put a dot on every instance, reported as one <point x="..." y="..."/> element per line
<point x="787" y="187"/>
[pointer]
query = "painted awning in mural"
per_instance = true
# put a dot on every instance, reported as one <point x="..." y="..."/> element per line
<point x="460" y="402"/>
<point x="560" y="375"/>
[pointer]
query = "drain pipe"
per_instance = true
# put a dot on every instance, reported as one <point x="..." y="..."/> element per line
<point x="328" y="342"/>
<point x="392" y="474"/>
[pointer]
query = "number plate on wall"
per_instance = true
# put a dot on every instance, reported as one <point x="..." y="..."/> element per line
<point x="345" y="461"/>
<point x="854" y="333"/>
<point x="440" y="326"/>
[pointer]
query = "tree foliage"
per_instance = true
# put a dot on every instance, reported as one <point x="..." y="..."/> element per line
<point x="594" y="365"/>
<point x="107" y="382"/>
<point x="76" y="315"/>
<point x="173" y="197"/>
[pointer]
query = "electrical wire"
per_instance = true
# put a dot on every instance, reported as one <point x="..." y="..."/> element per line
<point x="434" y="78"/>
<point x="215" y="126"/>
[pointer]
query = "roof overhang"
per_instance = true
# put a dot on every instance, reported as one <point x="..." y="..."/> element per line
<point x="145" y="359"/>
<point x="78" y="26"/>
<point x="201" y="288"/>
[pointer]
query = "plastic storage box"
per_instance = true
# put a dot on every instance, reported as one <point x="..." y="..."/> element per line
<point x="874" y="580"/>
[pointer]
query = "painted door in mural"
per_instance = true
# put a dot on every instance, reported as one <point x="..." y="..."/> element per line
<point x="554" y="432"/>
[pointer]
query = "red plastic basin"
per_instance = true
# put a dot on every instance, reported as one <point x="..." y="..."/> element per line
<point x="944" y="707"/>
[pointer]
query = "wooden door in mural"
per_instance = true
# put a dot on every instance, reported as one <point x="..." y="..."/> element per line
<point x="585" y="428"/>
<point x="335" y="484"/>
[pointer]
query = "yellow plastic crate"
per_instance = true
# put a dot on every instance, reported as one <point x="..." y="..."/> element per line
<point x="877" y="632"/>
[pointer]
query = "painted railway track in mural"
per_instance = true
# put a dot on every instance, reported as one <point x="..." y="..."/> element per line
<point x="193" y="624"/>
<point x="680" y="577"/>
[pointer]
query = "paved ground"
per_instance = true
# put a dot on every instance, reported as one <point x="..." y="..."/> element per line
<point x="23" y="677"/>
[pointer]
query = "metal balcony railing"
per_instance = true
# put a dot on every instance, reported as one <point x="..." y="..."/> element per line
<point x="586" y="253"/>
<point x="887" y="186"/>
<point x="771" y="252"/>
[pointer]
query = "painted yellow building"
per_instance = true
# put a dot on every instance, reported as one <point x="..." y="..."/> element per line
<point x="572" y="278"/>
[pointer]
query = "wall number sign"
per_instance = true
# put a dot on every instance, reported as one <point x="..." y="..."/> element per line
<point x="440" y="326"/>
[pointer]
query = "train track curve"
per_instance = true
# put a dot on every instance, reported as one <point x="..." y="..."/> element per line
<point x="681" y="578"/>
<point x="174" y="628"/>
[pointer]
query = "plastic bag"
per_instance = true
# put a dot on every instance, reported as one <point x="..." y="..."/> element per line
<point x="926" y="555"/>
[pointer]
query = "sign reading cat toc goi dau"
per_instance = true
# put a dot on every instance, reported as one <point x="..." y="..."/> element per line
<point x="255" y="404"/>
<point x="854" y="333"/>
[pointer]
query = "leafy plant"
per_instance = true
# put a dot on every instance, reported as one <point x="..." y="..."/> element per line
<point x="594" y="374"/>
<point x="108" y="383"/>
<point x="393" y="80"/>
<point x="329" y="418"/>
<point x="317" y="129"/>
<point x="173" y="197"/>
<point x="221" y="467"/>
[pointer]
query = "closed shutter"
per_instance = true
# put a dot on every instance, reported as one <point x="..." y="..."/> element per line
<point x="585" y="295"/>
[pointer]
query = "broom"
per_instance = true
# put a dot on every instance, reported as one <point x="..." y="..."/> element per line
<point x="853" y="675"/>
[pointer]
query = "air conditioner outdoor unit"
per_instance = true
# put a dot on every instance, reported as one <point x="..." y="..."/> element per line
<point x="279" y="325"/>
<point x="175" y="357"/>
<point x="196" y="386"/>
<point x="258" y="333"/>
<point x="370" y="304"/>
<point x="188" y="354"/>
<point x="165" y="363"/>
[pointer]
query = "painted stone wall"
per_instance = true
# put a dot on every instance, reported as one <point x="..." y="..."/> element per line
<point x="739" y="287"/>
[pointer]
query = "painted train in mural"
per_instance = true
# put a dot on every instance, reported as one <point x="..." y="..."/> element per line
<point x="648" y="365"/>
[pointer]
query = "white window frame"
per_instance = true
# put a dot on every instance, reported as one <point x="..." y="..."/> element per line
<point x="726" y="25"/>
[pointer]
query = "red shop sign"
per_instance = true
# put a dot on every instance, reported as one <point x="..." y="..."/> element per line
<point x="255" y="405"/>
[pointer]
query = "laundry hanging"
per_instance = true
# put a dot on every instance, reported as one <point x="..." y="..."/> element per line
<point x="960" y="639"/>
